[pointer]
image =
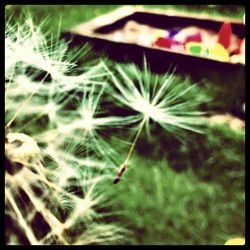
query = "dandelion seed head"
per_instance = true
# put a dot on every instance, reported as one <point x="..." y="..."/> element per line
<point x="61" y="189"/>
<point x="27" y="44"/>
<point x="159" y="98"/>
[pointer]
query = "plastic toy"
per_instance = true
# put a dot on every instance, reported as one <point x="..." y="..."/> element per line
<point x="196" y="48"/>
<point x="218" y="52"/>
<point x="225" y="34"/>
<point x="194" y="38"/>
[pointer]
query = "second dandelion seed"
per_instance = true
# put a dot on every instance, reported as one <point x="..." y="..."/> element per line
<point x="156" y="100"/>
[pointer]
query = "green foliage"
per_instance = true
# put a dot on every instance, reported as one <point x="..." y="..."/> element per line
<point x="54" y="17"/>
<point x="234" y="11"/>
<point x="162" y="206"/>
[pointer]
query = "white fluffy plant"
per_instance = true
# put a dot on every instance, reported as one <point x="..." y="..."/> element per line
<point x="154" y="98"/>
<point x="52" y="177"/>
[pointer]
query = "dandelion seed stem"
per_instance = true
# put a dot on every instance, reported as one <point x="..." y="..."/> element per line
<point x="21" y="219"/>
<point x="24" y="104"/>
<point x="136" y="139"/>
<point x="124" y="165"/>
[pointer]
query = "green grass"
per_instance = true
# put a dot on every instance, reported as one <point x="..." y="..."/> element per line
<point x="70" y="15"/>
<point x="64" y="16"/>
<point x="185" y="193"/>
<point x="232" y="11"/>
<point x="174" y="192"/>
<point x="164" y="207"/>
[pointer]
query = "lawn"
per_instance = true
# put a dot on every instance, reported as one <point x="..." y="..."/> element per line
<point x="180" y="188"/>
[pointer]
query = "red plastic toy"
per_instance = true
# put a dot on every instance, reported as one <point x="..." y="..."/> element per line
<point x="225" y="33"/>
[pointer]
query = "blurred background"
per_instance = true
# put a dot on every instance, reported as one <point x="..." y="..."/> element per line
<point x="176" y="192"/>
<point x="70" y="15"/>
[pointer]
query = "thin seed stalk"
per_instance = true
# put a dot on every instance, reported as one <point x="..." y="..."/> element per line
<point x="23" y="105"/>
<point x="124" y="165"/>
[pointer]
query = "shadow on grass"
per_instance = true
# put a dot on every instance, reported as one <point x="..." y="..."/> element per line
<point x="218" y="155"/>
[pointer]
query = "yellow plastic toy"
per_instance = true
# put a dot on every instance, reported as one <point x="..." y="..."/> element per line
<point x="218" y="52"/>
<point x="236" y="241"/>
